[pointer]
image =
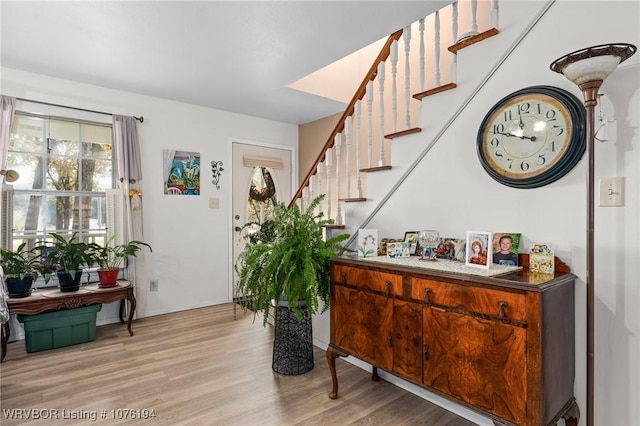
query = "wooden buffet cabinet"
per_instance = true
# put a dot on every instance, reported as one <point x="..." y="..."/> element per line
<point x="502" y="346"/>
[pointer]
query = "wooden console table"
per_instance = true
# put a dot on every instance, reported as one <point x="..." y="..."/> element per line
<point x="501" y="345"/>
<point x="52" y="299"/>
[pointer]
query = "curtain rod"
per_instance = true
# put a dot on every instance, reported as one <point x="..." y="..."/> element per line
<point x="140" y="119"/>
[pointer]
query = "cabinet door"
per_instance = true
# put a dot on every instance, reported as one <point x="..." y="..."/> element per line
<point x="407" y="340"/>
<point x="361" y="325"/>
<point x="478" y="361"/>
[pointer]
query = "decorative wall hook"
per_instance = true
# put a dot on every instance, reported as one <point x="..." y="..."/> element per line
<point x="216" y="170"/>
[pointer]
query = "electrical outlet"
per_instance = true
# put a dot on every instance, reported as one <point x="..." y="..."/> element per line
<point x="153" y="285"/>
<point x="214" y="203"/>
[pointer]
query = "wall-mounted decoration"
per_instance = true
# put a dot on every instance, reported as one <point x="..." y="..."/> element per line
<point x="216" y="171"/>
<point x="182" y="172"/>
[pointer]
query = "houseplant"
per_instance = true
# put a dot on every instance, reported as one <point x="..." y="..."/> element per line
<point x="21" y="267"/>
<point x="67" y="258"/>
<point x="288" y="260"/>
<point x="110" y="258"/>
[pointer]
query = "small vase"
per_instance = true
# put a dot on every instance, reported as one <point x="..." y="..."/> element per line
<point x="68" y="282"/>
<point x="19" y="287"/>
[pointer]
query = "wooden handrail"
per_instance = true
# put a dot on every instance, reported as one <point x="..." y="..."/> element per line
<point x="359" y="94"/>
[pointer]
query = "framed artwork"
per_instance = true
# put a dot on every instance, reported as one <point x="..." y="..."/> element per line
<point x="182" y="172"/>
<point x="541" y="258"/>
<point x="452" y="249"/>
<point x="505" y="248"/>
<point x="478" y="249"/>
<point x="411" y="237"/>
<point x="367" y="242"/>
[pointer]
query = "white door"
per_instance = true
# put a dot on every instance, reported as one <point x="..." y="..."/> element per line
<point x="256" y="160"/>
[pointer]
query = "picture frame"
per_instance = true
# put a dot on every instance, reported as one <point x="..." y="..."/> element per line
<point x="479" y="249"/>
<point x="411" y="237"/>
<point x="506" y="246"/>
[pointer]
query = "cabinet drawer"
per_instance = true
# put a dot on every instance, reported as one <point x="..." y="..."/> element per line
<point x="369" y="279"/>
<point x="471" y="299"/>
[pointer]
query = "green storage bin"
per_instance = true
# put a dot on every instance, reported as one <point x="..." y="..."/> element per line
<point x="61" y="328"/>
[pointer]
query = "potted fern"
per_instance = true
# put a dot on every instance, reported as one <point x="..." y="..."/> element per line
<point x="21" y="267"/>
<point x="111" y="257"/>
<point x="67" y="257"/>
<point x="287" y="263"/>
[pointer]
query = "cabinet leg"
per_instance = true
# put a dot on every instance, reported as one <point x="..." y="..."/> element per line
<point x="572" y="415"/>
<point x="331" y="355"/>
<point x="6" y="331"/>
<point x="374" y="374"/>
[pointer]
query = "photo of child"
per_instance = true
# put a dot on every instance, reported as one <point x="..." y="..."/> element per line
<point x="505" y="248"/>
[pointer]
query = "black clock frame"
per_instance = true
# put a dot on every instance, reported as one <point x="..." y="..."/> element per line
<point x="571" y="157"/>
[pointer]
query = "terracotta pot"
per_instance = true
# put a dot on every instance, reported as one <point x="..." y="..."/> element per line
<point x="19" y="287"/>
<point x="108" y="277"/>
<point x="68" y="282"/>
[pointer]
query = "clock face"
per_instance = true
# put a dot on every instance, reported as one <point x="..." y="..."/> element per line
<point x="532" y="137"/>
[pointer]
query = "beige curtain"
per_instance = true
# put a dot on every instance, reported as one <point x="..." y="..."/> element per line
<point x="126" y="147"/>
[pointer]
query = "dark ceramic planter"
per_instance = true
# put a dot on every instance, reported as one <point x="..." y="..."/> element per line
<point x="19" y="287"/>
<point x="68" y="282"/>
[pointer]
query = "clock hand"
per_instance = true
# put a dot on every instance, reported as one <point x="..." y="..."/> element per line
<point x="511" y="135"/>
<point x="521" y="123"/>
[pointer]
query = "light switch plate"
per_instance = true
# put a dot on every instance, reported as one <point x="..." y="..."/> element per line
<point x="611" y="192"/>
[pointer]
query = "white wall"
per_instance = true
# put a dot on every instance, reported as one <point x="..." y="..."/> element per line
<point x="190" y="242"/>
<point x="450" y="191"/>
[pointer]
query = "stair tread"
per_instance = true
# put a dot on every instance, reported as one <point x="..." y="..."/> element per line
<point x="435" y="90"/>
<point x="403" y="133"/>
<point x="334" y="226"/>
<point x="375" y="169"/>
<point x="473" y="40"/>
<point x="353" y="200"/>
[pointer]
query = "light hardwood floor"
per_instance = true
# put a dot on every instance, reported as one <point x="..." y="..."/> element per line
<point x="197" y="367"/>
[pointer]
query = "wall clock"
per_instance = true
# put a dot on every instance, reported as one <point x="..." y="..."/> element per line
<point x="532" y="137"/>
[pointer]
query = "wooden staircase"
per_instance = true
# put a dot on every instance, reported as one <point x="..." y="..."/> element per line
<point x="371" y="116"/>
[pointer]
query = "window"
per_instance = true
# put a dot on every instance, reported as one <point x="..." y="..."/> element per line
<point x="65" y="167"/>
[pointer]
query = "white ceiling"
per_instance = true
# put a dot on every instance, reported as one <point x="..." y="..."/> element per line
<point x="235" y="56"/>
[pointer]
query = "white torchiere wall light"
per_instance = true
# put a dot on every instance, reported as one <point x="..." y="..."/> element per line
<point x="588" y="68"/>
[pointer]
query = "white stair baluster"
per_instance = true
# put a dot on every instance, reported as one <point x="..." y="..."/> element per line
<point x="347" y="138"/>
<point x="370" y="122"/>
<point x="494" y="14"/>
<point x="474" y="20"/>
<point x="453" y="71"/>
<point x="328" y="161"/>
<point x="358" y="110"/>
<point x="312" y="180"/>
<point x="406" y="37"/>
<point x="394" y="88"/>
<point x="337" y="146"/>
<point x="436" y="48"/>
<point x="305" y="198"/>
<point x="380" y="78"/>
<point x="319" y="175"/>
<point x="421" y="54"/>
<point x="421" y="65"/>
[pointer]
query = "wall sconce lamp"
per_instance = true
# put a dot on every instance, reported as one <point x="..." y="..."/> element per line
<point x="588" y="68"/>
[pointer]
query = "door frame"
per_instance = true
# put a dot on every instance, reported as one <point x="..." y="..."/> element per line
<point x="230" y="225"/>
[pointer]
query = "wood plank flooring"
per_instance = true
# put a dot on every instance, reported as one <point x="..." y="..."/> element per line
<point x="197" y="367"/>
